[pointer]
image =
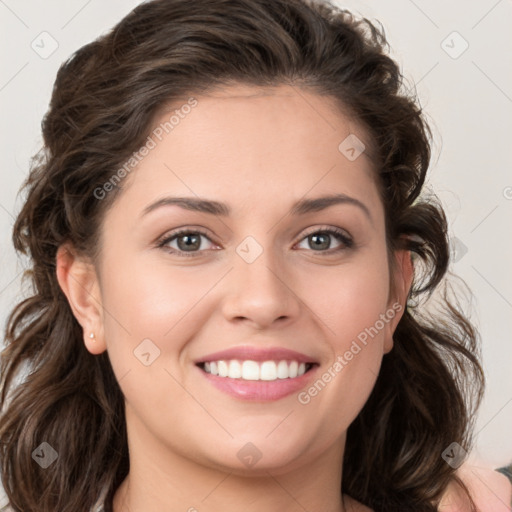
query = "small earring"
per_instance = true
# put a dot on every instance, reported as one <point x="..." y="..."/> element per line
<point x="91" y="335"/>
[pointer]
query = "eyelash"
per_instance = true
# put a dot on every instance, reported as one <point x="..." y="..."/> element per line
<point x="347" y="242"/>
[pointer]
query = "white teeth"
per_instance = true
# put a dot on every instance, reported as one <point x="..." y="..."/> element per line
<point x="253" y="370"/>
<point x="250" y="370"/>
<point x="235" y="370"/>
<point x="268" y="371"/>
<point x="282" y="370"/>
<point x="223" y="369"/>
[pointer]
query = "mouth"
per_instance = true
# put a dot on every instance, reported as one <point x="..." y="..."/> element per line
<point x="250" y="370"/>
<point x="258" y="374"/>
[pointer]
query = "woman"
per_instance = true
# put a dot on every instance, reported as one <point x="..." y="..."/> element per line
<point x="231" y="265"/>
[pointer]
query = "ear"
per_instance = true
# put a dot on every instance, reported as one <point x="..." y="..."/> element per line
<point x="401" y="285"/>
<point x="78" y="280"/>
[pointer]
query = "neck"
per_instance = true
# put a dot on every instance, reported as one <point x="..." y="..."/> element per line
<point x="163" y="480"/>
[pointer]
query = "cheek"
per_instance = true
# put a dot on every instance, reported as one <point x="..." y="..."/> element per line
<point x="150" y="319"/>
<point x="150" y="300"/>
<point x="349" y="300"/>
<point x="352" y="304"/>
<point x="147" y="309"/>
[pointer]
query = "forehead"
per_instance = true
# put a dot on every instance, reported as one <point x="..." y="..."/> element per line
<point x="243" y="142"/>
<point x="293" y="112"/>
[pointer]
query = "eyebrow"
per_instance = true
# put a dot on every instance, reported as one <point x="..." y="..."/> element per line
<point x="212" y="207"/>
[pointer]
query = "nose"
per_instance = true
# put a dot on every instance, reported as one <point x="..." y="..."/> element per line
<point x="261" y="293"/>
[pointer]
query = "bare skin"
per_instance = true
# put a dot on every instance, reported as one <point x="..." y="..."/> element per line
<point x="259" y="152"/>
<point x="491" y="490"/>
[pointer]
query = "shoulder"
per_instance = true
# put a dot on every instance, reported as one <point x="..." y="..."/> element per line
<point x="491" y="490"/>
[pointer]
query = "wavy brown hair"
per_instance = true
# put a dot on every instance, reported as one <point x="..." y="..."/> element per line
<point x="104" y="101"/>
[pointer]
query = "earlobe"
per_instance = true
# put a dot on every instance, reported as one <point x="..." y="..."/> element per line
<point x="78" y="280"/>
<point x="403" y="278"/>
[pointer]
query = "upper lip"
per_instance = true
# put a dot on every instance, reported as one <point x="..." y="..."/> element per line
<point x="245" y="353"/>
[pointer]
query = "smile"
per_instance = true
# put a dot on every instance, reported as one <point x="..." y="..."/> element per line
<point x="258" y="374"/>
<point x="254" y="370"/>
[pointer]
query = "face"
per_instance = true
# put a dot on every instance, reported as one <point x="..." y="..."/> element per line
<point x="286" y="294"/>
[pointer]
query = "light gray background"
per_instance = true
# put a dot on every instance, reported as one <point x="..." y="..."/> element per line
<point x="467" y="97"/>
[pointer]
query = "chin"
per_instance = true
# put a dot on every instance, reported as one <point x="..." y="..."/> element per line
<point x="259" y="454"/>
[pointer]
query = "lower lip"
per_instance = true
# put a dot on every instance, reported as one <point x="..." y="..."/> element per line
<point x="259" y="390"/>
